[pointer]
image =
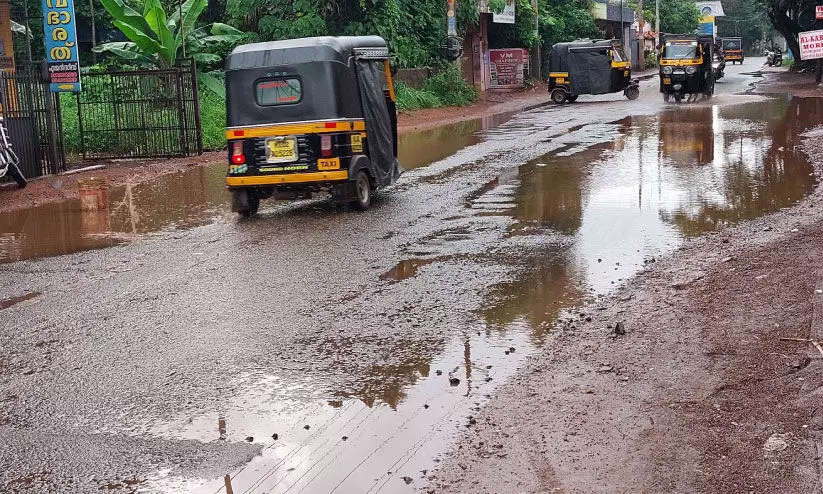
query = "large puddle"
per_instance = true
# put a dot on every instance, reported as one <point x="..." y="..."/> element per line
<point x="191" y="198"/>
<point x="577" y="222"/>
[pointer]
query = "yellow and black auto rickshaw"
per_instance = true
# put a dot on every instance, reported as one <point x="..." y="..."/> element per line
<point x="589" y="67"/>
<point x="733" y="49"/>
<point x="308" y="116"/>
<point x="686" y="66"/>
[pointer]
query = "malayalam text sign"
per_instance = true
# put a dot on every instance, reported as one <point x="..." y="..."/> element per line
<point x="811" y="45"/>
<point x="61" y="45"/>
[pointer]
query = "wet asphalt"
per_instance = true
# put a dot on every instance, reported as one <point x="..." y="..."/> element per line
<point x="317" y="349"/>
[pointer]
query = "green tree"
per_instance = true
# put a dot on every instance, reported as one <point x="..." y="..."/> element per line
<point x="160" y="40"/>
<point x="745" y="19"/>
<point x="676" y="16"/>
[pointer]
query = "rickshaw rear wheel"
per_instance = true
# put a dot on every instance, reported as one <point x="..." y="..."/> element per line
<point x="572" y="99"/>
<point x="363" y="191"/>
<point x="559" y="96"/>
<point x="632" y="92"/>
<point x="254" y="205"/>
<point x="245" y="203"/>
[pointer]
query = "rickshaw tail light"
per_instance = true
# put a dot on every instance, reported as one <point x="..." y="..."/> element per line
<point x="325" y="146"/>
<point x="237" y="156"/>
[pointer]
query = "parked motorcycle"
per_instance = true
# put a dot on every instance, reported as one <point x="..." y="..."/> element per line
<point x="774" y="58"/>
<point x="9" y="162"/>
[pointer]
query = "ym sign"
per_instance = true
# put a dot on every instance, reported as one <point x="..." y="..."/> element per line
<point x="61" y="45"/>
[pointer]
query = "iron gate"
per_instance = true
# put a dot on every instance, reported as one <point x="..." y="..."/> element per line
<point x="32" y="116"/>
<point x="140" y="114"/>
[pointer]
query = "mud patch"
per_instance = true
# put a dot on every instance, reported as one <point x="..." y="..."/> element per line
<point x="5" y="304"/>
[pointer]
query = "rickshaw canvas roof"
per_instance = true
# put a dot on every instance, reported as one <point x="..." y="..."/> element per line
<point x="303" y="50"/>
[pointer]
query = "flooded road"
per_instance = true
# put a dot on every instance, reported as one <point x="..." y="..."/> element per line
<point x="313" y="349"/>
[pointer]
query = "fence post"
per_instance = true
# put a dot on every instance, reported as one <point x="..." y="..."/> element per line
<point x="80" y="125"/>
<point x="196" y="97"/>
<point x="51" y="121"/>
<point x="181" y="111"/>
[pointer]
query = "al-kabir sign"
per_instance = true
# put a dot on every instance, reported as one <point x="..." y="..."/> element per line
<point x="61" y="45"/>
<point x="811" y="45"/>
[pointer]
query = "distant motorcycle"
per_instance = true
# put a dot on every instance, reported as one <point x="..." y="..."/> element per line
<point x="774" y="58"/>
<point x="718" y="66"/>
<point x="9" y="162"/>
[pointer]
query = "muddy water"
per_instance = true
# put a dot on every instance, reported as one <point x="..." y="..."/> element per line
<point x="191" y="198"/>
<point x="660" y="180"/>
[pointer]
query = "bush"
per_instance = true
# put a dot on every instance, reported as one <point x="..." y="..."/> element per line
<point x="409" y="99"/>
<point x="447" y="88"/>
<point x="651" y="59"/>
<point x="450" y="87"/>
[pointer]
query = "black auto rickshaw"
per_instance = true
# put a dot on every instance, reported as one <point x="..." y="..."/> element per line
<point x="589" y="67"/>
<point x="309" y="116"/>
<point x="733" y="50"/>
<point x="686" y="66"/>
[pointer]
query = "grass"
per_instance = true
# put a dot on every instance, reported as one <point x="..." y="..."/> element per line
<point x="213" y="121"/>
<point x="447" y="88"/>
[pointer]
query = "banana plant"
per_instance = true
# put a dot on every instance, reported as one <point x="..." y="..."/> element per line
<point x="156" y="39"/>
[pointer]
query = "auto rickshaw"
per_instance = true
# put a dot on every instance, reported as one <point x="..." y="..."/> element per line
<point x="307" y="116"/>
<point x="589" y="67"/>
<point x="686" y="66"/>
<point x="733" y="49"/>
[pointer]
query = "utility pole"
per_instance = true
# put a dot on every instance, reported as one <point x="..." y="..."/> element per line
<point x="641" y="48"/>
<point x="657" y="25"/>
<point x="623" y="31"/>
<point x="93" y="33"/>
<point x="536" y="61"/>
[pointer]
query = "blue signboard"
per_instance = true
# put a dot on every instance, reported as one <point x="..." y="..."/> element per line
<point x="707" y="28"/>
<point x="61" y="45"/>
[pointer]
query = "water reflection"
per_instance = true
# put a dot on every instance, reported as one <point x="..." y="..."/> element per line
<point x="668" y="177"/>
<point x="190" y="198"/>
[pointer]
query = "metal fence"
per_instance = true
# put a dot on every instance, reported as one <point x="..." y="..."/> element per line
<point x="32" y="116"/>
<point x="140" y="114"/>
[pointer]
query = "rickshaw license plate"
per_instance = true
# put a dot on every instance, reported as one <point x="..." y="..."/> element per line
<point x="325" y="164"/>
<point x="281" y="150"/>
<point x="357" y="143"/>
<point x="667" y="80"/>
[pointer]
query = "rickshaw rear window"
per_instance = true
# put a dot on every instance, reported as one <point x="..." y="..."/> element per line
<point x="732" y="44"/>
<point x="280" y="91"/>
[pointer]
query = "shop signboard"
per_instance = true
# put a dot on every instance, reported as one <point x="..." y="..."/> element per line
<point x="62" y="60"/>
<point x="505" y="17"/>
<point x="507" y="67"/>
<point x="811" y="44"/>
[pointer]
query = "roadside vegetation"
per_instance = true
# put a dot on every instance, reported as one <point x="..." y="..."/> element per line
<point x="447" y="88"/>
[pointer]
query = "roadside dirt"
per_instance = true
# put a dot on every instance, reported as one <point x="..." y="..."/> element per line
<point x="679" y="382"/>
<point x="780" y="81"/>
<point x="119" y="173"/>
